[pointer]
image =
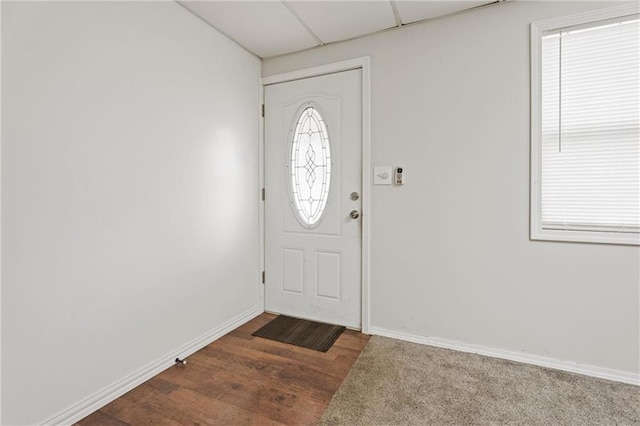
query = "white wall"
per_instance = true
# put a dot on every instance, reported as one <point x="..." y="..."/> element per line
<point x="451" y="256"/>
<point x="129" y="193"/>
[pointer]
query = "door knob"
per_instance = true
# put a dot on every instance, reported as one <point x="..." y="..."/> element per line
<point x="354" y="214"/>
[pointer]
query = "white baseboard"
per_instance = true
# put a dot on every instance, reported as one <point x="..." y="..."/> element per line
<point x="587" y="370"/>
<point x="114" y="391"/>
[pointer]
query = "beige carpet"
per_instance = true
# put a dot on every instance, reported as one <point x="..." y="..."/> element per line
<point x="400" y="383"/>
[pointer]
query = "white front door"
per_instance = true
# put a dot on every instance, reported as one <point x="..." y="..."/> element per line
<point x="313" y="182"/>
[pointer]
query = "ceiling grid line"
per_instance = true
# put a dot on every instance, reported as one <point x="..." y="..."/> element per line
<point x="396" y="14"/>
<point x="303" y="23"/>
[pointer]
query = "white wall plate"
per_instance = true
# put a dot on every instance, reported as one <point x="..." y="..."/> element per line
<point x="382" y="175"/>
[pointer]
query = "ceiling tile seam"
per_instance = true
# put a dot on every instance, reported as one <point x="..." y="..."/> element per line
<point x="178" y="2"/>
<point x="447" y="15"/>
<point x="421" y="21"/>
<point x="304" y="24"/>
<point x="396" y="14"/>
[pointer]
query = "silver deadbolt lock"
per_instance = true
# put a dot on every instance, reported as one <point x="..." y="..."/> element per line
<point x="354" y="214"/>
<point x="355" y="196"/>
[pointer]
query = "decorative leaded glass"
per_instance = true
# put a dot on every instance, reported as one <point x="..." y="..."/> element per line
<point x="310" y="167"/>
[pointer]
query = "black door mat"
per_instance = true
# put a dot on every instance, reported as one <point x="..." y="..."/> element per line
<point x="305" y="333"/>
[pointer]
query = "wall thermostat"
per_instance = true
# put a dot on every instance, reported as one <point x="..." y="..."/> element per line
<point x="399" y="180"/>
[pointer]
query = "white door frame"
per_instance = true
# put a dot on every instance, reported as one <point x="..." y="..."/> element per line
<point x="351" y="64"/>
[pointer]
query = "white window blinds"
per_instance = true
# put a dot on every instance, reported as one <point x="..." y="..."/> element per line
<point x="590" y="141"/>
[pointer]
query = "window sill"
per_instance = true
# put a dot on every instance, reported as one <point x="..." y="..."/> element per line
<point x="620" y="238"/>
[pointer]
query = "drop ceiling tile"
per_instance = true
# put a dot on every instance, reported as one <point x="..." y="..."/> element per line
<point x="265" y="28"/>
<point x="341" y="20"/>
<point x="413" y="11"/>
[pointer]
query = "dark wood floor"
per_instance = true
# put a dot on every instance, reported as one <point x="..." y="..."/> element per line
<point x="239" y="379"/>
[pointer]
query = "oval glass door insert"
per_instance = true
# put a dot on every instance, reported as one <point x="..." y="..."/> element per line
<point x="310" y="167"/>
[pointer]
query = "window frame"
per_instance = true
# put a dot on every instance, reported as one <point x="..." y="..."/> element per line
<point x="537" y="30"/>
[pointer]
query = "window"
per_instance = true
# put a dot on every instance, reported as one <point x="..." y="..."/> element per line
<point x="585" y="171"/>
<point x="310" y="167"/>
